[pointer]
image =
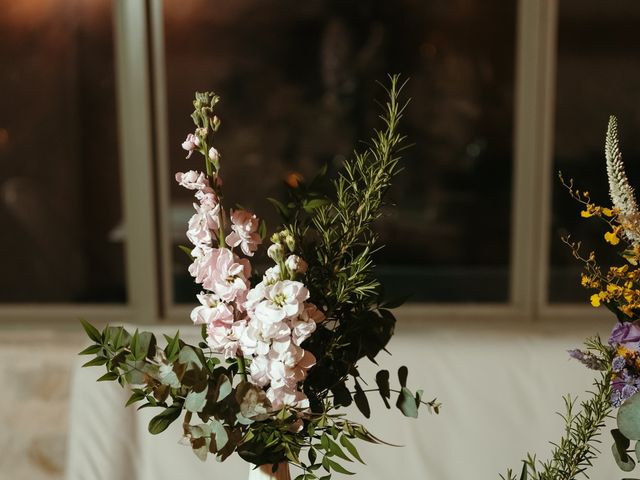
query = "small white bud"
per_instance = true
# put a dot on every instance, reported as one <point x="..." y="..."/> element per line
<point x="214" y="156"/>
<point x="295" y="264"/>
<point x="275" y="252"/>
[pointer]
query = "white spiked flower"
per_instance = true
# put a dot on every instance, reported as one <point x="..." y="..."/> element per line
<point x="620" y="191"/>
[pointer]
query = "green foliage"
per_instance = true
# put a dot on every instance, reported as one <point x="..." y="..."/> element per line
<point x="576" y="449"/>
<point x="629" y="418"/>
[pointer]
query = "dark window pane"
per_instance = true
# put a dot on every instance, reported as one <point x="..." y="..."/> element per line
<point x="598" y="74"/>
<point x="298" y="80"/>
<point x="59" y="185"/>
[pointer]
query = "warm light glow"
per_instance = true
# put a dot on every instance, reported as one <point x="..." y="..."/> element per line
<point x="293" y="179"/>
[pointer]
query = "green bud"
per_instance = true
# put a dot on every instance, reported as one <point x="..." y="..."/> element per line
<point x="290" y="241"/>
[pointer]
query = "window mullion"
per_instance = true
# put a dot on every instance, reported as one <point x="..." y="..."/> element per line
<point x="533" y="137"/>
<point x="134" y="120"/>
<point x="161" y="126"/>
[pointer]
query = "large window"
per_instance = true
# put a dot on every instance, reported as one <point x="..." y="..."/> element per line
<point x="598" y="74"/>
<point x="96" y="102"/>
<point x="60" y="203"/>
<point x="298" y="83"/>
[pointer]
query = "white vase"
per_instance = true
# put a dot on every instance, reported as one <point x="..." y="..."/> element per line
<point x="264" y="472"/>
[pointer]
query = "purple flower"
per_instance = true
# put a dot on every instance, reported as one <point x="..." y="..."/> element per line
<point x="628" y="391"/>
<point x="618" y="364"/>
<point x="615" y="399"/>
<point x="587" y="359"/>
<point x="626" y="334"/>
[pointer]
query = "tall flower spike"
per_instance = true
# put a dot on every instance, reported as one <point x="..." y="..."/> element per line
<point x="620" y="191"/>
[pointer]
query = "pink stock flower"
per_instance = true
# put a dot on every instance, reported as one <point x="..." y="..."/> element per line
<point x="284" y="396"/>
<point x="226" y="339"/>
<point x="212" y="311"/>
<point x="203" y="224"/>
<point x="226" y="275"/>
<point x="301" y="330"/>
<point x="284" y="299"/>
<point x="257" y="338"/>
<point x="193" y="180"/>
<point x="259" y="371"/>
<point x="272" y="275"/>
<point x="207" y="198"/>
<point x="191" y="144"/>
<point x="244" y="232"/>
<point x="311" y="313"/>
<point x="253" y="342"/>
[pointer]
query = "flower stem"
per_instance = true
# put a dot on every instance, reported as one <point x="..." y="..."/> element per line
<point x="242" y="367"/>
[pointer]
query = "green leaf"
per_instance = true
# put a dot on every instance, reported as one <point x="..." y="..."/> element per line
<point x="403" y="373"/>
<point x="186" y="250"/>
<point x="195" y="401"/>
<point x="351" y="448"/>
<point x="622" y="442"/>
<point x="324" y="442"/>
<point x="341" y="395"/>
<point x="262" y="230"/>
<point x="108" y="377"/>
<point x="146" y="347"/>
<point x="382" y="380"/>
<point x="91" y="350"/>
<point x="336" y="466"/>
<point x="224" y="388"/>
<point x="629" y="418"/>
<point x="118" y="337"/>
<point x="204" y="334"/>
<point x="395" y="302"/>
<point x="361" y="401"/>
<point x="312" y="455"/>
<point x="167" y="376"/>
<point x="136" y="372"/>
<point x="310" y="205"/>
<point x="189" y="356"/>
<point x="279" y="206"/>
<point x="624" y="461"/>
<point x="173" y="346"/>
<point x="407" y="403"/>
<point x="136" y="396"/>
<point x="91" y="331"/>
<point x="220" y="434"/>
<point x="96" y="362"/>
<point x="161" y="422"/>
<point x="335" y="449"/>
<point x="524" y="474"/>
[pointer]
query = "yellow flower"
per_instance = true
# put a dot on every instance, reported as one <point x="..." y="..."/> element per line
<point x="612" y="238"/>
<point x="623" y="351"/>
<point x="586" y="214"/>
<point x="608" y="212"/>
<point x="595" y="300"/>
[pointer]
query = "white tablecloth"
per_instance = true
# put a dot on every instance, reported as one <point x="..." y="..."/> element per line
<point x="500" y="388"/>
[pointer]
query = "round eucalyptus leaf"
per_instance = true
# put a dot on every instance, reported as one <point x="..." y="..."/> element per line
<point x="629" y="418"/>
<point x="624" y="461"/>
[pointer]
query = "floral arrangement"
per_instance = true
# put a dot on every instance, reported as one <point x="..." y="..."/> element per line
<point x="280" y="351"/>
<point x="616" y="287"/>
